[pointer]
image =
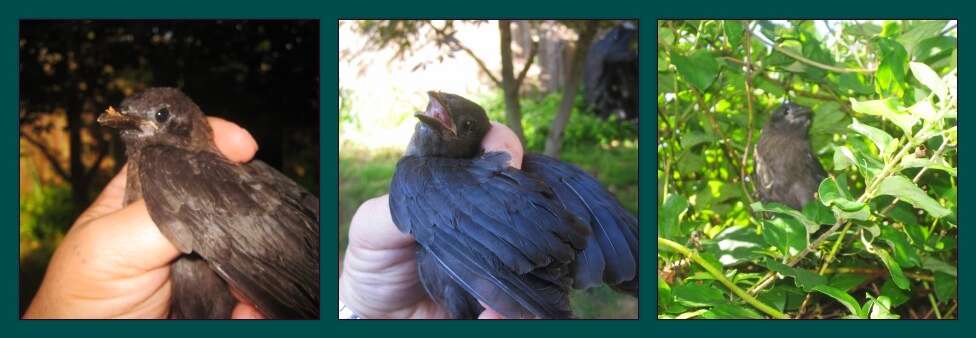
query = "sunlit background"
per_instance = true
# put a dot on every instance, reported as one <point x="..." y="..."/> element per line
<point x="387" y="67"/>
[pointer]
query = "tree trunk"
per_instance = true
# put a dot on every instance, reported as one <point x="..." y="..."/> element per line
<point x="555" y="139"/>
<point x="513" y="110"/>
<point x="76" y="169"/>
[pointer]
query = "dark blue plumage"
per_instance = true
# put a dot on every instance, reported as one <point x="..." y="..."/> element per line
<point x="515" y="240"/>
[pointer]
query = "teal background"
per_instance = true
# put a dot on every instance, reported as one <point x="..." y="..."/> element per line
<point x="648" y="12"/>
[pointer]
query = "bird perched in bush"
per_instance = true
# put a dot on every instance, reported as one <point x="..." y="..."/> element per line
<point x="242" y="226"/>
<point x="787" y="171"/>
<point x="515" y="240"/>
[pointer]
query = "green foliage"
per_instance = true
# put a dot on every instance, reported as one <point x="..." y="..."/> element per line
<point x="45" y="213"/>
<point x="880" y="239"/>
<point x="584" y="128"/>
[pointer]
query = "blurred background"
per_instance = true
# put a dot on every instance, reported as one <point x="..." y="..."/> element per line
<point x="568" y="88"/>
<point x="263" y="75"/>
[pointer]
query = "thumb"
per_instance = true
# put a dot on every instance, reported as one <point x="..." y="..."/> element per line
<point x="501" y="138"/>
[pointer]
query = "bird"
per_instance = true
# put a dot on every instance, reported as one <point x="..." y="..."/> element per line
<point x="245" y="227"/>
<point x="517" y="241"/>
<point x="786" y="169"/>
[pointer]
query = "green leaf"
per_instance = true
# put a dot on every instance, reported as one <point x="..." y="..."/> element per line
<point x="699" y="69"/>
<point x="888" y="109"/>
<point x="775" y="297"/>
<point x="671" y="212"/>
<point x="910" y="161"/>
<point x="695" y="295"/>
<point x="904" y="252"/>
<point x="786" y="234"/>
<point x="730" y="311"/>
<point x="846" y="281"/>
<point x="664" y="297"/>
<point x="880" y="138"/>
<point x="818" y="213"/>
<point x="689" y="161"/>
<point x="843" y="297"/>
<point x="906" y="190"/>
<point x="854" y="84"/>
<point x="777" y="208"/>
<point x="930" y="79"/>
<point x="831" y="194"/>
<point x="919" y="32"/>
<point x="890" y="76"/>
<point x="736" y="244"/>
<point x="897" y="296"/>
<point x="894" y="269"/>
<point x="945" y="286"/>
<point x="828" y="119"/>
<point x="804" y="279"/>
<point x="665" y="36"/>
<point x="881" y="308"/>
<point x="935" y="265"/>
<point x="694" y="138"/>
<point x="734" y="30"/>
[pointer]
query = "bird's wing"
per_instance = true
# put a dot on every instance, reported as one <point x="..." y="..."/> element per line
<point x="497" y="232"/>
<point x="611" y="255"/>
<point x="256" y="228"/>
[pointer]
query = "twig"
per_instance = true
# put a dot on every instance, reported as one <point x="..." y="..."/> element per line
<point x="451" y="39"/>
<point x="803" y="59"/>
<point x="748" y="83"/>
<point x="528" y="63"/>
<point x="717" y="273"/>
<point x="51" y="158"/>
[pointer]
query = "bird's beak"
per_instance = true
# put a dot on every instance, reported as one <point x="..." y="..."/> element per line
<point x="112" y="118"/>
<point x="437" y="116"/>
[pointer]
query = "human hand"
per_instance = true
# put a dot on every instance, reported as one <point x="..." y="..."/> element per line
<point x="379" y="277"/>
<point x="114" y="262"/>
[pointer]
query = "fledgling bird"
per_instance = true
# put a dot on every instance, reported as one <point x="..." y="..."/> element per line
<point x="787" y="171"/>
<point x="515" y="240"/>
<point x="242" y="226"/>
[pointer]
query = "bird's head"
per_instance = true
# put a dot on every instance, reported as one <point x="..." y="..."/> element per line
<point x="160" y="116"/>
<point x="452" y="126"/>
<point x="791" y="116"/>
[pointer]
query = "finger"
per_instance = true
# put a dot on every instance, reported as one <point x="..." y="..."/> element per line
<point x="245" y="311"/>
<point x="232" y="140"/>
<point x="372" y="227"/>
<point x="501" y="138"/>
<point x="489" y="313"/>
<point x="129" y="236"/>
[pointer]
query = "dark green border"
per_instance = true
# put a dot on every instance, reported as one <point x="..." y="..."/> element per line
<point x="329" y="13"/>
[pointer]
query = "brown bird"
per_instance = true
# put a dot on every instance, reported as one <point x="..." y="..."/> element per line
<point x="244" y="226"/>
<point x="787" y="172"/>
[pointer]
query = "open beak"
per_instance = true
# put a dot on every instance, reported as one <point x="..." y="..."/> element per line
<point x="436" y="116"/>
<point x="112" y="118"/>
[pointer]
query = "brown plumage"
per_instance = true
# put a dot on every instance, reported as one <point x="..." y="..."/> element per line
<point x="245" y="226"/>
<point x="787" y="171"/>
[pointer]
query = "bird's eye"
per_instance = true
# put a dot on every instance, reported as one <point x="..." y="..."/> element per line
<point x="162" y="115"/>
<point x="468" y="125"/>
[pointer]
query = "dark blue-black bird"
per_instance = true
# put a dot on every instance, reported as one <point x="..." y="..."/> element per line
<point x="242" y="226"/>
<point x="515" y="240"/>
<point x="787" y="171"/>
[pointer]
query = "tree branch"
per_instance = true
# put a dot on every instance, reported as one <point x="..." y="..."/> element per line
<point x="803" y="59"/>
<point x="528" y="63"/>
<point x="47" y="155"/>
<point x="449" y="38"/>
<point x="717" y="273"/>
